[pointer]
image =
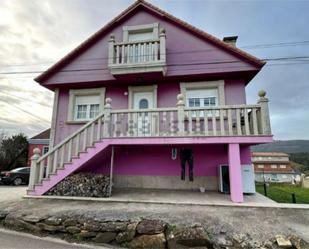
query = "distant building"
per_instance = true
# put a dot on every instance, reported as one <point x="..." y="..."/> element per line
<point x="40" y="141"/>
<point x="273" y="167"/>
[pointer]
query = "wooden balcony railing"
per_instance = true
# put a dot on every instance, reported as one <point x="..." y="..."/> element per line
<point x="137" y="57"/>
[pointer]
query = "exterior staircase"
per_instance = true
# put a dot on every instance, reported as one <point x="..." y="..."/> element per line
<point x="72" y="153"/>
<point x="69" y="155"/>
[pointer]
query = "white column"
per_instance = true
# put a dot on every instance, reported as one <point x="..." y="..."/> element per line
<point x="107" y="118"/>
<point x="34" y="168"/>
<point x="264" y="115"/>
<point x="162" y="45"/>
<point x="54" y="120"/>
<point x="111" y="50"/>
<point x="181" y="114"/>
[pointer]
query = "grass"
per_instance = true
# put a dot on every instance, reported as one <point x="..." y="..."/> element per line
<point x="282" y="193"/>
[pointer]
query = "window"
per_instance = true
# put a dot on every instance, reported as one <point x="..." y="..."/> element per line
<point x="45" y="149"/>
<point x="141" y="35"/>
<point x="202" y="97"/>
<point x="203" y="94"/>
<point x="202" y="102"/>
<point x="282" y="166"/>
<point x="21" y="170"/>
<point x="273" y="166"/>
<point x="85" y="104"/>
<point x="143" y="104"/>
<point x="86" y="107"/>
<point x="94" y="110"/>
<point x="141" y="32"/>
<point x="261" y="166"/>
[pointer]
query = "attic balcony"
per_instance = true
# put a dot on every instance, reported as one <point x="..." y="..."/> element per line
<point x="148" y="56"/>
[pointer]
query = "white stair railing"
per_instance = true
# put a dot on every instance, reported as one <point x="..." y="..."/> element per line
<point x="228" y="120"/>
<point x="69" y="148"/>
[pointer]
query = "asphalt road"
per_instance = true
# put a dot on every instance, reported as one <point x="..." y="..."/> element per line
<point x="16" y="240"/>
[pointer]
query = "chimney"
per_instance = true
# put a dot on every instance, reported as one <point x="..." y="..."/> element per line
<point x="230" y="40"/>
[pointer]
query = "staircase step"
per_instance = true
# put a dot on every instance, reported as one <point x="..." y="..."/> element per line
<point x="69" y="167"/>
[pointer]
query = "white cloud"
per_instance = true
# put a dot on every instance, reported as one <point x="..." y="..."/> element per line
<point x="36" y="33"/>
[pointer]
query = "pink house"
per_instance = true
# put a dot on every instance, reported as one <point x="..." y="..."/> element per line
<point x="143" y="94"/>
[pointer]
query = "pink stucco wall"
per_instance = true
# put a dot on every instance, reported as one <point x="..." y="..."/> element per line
<point x="182" y="48"/>
<point x="166" y="97"/>
<point x="156" y="160"/>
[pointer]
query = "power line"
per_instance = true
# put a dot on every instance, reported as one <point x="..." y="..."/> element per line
<point x="194" y="63"/>
<point x="25" y="99"/>
<point x="24" y="111"/>
<point x="256" y="46"/>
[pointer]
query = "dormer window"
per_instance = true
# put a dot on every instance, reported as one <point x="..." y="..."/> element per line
<point x="138" y="33"/>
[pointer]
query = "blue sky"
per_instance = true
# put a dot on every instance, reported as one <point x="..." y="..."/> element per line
<point x="34" y="34"/>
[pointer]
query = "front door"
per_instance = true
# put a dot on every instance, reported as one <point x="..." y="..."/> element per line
<point x="143" y="101"/>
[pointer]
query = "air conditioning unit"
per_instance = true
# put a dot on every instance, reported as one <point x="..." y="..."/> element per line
<point x="247" y="173"/>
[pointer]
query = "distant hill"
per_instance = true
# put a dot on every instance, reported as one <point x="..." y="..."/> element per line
<point x="287" y="146"/>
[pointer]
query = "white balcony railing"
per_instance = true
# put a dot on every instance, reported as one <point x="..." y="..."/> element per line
<point x="236" y="120"/>
<point x="137" y="57"/>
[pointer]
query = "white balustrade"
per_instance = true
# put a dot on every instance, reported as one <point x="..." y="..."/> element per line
<point x="229" y="120"/>
<point x="136" y="52"/>
<point x="137" y="56"/>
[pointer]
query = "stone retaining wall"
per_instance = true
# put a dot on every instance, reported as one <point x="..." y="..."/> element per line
<point x="83" y="185"/>
<point x="141" y="233"/>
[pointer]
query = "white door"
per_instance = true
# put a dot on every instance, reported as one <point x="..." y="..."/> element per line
<point x="143" y="101"/>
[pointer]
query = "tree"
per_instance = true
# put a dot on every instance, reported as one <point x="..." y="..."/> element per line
<point x="13" y="151"/>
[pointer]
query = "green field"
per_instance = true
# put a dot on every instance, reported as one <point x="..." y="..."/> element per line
<point x="283" y="193"/>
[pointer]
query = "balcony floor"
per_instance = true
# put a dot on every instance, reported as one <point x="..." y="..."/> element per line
<point x="250" y="140"/>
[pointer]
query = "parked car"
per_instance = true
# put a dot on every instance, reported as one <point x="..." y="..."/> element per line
<point x="16" y="176"/>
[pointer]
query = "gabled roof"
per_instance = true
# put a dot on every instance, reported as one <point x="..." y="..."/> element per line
<point x="275" y="154"/>
<point x="43" y="135"/>
<point x="155" y="10"/>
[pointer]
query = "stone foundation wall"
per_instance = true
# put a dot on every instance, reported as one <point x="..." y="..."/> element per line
<point x="83" y="185"/>
<point x="141" y="233"/>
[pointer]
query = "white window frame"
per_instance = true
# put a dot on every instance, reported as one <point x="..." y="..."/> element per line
<point x="134" y="89"/>
<point x="283" y="166"/>
<point x="260" y="166"/>
<point x="83" y="92"/>
<point x="273" y="166"/>
<point x="219" y="85"/>
<point x="140" y="28"/>
<point x="43" y="150"/>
